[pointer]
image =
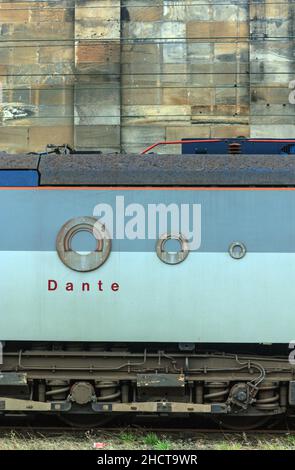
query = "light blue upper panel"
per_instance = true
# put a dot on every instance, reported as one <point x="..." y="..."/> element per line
<point x="263" y="219"/>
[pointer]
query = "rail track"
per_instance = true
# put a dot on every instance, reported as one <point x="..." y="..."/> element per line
<point x="58" y="431"/>
<point x="207" y="427"/>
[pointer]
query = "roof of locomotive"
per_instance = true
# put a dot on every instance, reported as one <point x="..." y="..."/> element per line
<point x="155" y="170"/>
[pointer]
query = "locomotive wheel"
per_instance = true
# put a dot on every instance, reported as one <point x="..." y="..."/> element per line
<point x="242" y="423"/>
<point x="85" y="421"/>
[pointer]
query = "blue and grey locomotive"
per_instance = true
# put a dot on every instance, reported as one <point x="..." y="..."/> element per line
<point x="149" y="284"/>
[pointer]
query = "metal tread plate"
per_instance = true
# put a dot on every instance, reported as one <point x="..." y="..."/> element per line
<point x="168" y="170"/>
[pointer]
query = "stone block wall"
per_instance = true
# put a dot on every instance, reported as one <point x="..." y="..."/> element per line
<point x="272" y="68"/>
<point x="184" y="69"/>
<point x="97" y="95"/>
<point x="37" y="74"/>
<point x="118" y="75"/>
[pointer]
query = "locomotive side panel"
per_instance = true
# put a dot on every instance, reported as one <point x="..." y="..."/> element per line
<point x="136" y="297"/>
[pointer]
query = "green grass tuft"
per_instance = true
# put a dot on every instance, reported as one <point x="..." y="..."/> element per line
<point x="151" y="439"/>
<point x="229" y="446"/>
<point x="128" y="437"/>
<point x="163" y="445"/>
